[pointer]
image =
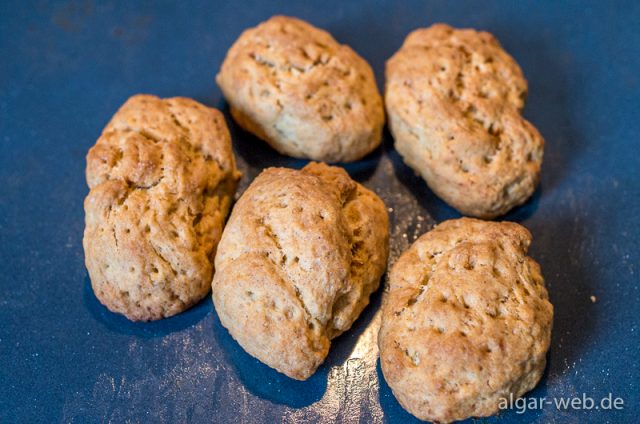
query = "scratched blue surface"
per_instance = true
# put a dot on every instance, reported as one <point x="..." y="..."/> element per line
<point x="66" y="66"/>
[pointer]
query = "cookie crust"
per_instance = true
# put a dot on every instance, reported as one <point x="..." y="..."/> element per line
<point x="162" y="178"/>
<point x="297" y="261"/>
<point x="466" y="321"/>
<point x="294" y="86"/>
<point x="454" y="100"/>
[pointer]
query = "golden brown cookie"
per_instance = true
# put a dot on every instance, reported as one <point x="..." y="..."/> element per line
<point x="162" y="177"/>
<point x="454" y="99"/>
<point x="466" y="321"/>
<point x="297" y="261"/>
<point x="294" y="86"/>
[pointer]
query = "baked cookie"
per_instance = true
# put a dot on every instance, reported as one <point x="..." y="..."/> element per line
<point x="162" y="177"/>
<point x="297" y="261"/>
<point x="454" y="99"/>
<point x="466" y="321"/>
<point x="294" y="86"/>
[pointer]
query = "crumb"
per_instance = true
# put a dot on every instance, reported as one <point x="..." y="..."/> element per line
<point x="593" y="299"/>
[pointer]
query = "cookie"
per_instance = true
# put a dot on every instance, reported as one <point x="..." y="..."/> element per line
<point x="298" y="259"/>
<point x="466" y="321"/>
<point x="162" y="178"/>
<point x="454" y="99"/>
<point x="292" y="85"/>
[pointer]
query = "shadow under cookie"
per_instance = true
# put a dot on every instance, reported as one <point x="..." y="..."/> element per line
<point x="331" y="376"/>
<point x="550" y="74"/>
<point x="430" y="202"/>
<point x="120" y="324"/>
<point x="266" y="382"/>
<point x="570" y="287"/>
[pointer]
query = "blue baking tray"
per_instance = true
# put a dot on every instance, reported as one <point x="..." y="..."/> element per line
<point x="66" y="66"/>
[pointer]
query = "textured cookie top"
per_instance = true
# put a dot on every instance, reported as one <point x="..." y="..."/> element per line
<point x="466" y="321"/>
<point x="299" y="257"/>
<point x="294" y="86"/>
<point x="456" y="98"/>
<point x="162" y="176"/>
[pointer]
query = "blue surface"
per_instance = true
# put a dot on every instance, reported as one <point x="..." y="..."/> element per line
<point x="65" y="67"/>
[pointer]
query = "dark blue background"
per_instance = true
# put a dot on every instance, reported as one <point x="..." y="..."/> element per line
<point x="65" y="67"/>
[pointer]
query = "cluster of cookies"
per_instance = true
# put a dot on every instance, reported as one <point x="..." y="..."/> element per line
<point x="466" y="320"/>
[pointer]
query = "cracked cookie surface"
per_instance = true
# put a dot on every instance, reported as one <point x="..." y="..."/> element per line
<point x="466" y="321"/>
<point x="298" y="259"/>
<point x="454" y="100"/>
<point x="292" y="85"/>
<point x="162" y="178"/>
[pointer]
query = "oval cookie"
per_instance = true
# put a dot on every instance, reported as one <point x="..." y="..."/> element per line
<point x="297" y="261"/>
<point x="162" y="178"/>
<point x="454" y="99"/>
<point x="466" y="322"/>
<point x="292" y="85"/>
